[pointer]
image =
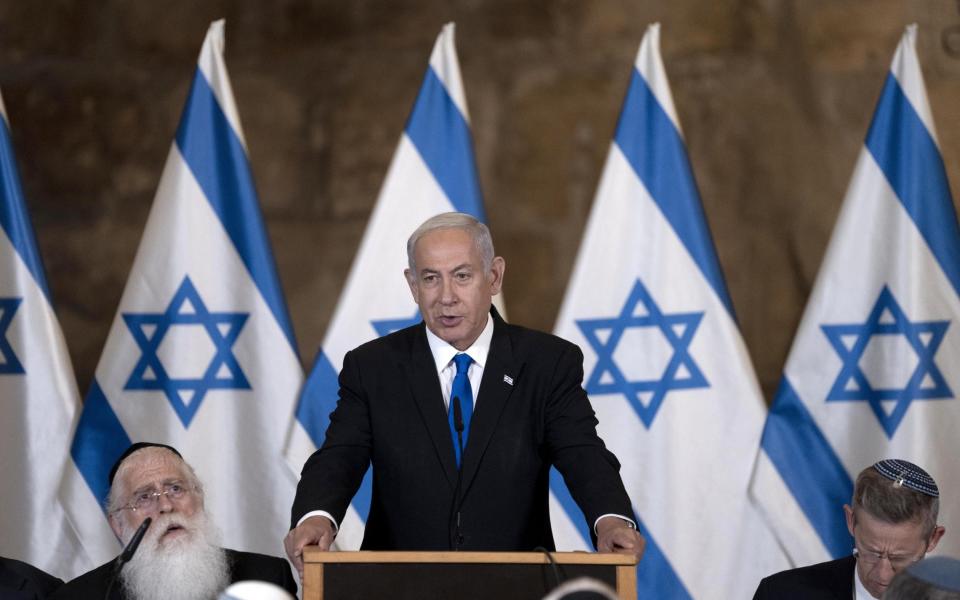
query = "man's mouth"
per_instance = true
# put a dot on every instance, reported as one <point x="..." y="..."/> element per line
<point x="174" y="529"/>
<point x="450" y="321"/>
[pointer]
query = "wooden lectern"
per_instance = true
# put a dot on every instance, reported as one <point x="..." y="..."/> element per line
<point x="457" y="575"/>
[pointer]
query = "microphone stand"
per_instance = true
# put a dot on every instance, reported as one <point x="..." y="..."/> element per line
<point x="127" y="554"/>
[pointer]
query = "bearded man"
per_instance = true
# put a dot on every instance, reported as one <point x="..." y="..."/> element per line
<point x="180" y="556"/>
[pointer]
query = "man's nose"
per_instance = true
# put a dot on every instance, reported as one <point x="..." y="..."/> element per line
<point x="164" y="504"/>
<point x="447" y="294"/>
<point x="885" y="570"/>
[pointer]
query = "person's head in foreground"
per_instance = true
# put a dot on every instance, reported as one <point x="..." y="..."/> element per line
<point x="180" y="555"/>
<point x="893" y="520"/>
<point x="254" y="590"/>
<point x="936" y="578"/>
<point x="582" y="588"/>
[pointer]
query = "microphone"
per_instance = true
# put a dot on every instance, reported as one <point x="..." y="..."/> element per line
<point x="134" y="543"/>
<point x="127" y="554"/>
<point x="456" y="538"/>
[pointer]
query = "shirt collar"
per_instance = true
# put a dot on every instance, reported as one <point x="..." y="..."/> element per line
<point x="859" y="590"/>
<point x="443" y="352"/>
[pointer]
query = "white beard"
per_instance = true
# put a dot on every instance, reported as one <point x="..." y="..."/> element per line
<point x="190" y="567"/>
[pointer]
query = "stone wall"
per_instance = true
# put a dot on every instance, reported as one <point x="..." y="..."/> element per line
<point x="774" y="97"/>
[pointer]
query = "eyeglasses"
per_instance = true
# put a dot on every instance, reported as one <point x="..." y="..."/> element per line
<point x="148" y="500"/>
<point x="897" y="562"/>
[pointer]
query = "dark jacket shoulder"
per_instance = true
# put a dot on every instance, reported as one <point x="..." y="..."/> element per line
<point x="19" y="580"/>
<point x="826" y="580"/>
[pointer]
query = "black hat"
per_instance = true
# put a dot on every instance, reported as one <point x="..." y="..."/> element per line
<point x="908" y="475"/>
<point x="133" y="448"/>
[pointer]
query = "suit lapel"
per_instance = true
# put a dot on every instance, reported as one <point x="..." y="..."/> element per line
<point x="425" y="389"/>
<point x="495" y="389"/>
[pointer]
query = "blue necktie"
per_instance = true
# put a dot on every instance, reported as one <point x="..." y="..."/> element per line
<point x="461" y="389"/>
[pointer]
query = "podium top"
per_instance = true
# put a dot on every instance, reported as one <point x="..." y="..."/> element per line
<point x="312" y="555"/>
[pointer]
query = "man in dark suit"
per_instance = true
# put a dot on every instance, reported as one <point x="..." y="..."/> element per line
<point x="403" y="397"/>
<point x="179" y="556"/>
<point x="20" y="581"/>
<point x="893" y="521"/>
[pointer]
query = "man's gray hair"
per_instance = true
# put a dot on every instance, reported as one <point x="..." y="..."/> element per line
<point x="882" y="498"/>
<point x="454" y="220"/>
<point x="118" y="496"/>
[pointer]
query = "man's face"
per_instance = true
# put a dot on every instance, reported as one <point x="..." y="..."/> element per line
<point x="451" y="287"/>
<point x="150" y="471"/>
<point x="884" y="548"/>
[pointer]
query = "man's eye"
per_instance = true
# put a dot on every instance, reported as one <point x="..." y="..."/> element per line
<point x="143" y="496"/>
<point x="175" y="488"/>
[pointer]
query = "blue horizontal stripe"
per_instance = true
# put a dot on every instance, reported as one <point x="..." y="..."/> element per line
<point x="441" y="135"/>
<point x="563" y="497"/>
<point x="656" y="577"/>
<point x="13" y="212"/>
<point x="909" y="158"/>
<point x="361" y="500"/>
<point x="656" y="152"/>
<point x="99" y="441"/>
<point x="318" y="398"/>
<point x="809" y="467"/>
<point x="218" y="161"/>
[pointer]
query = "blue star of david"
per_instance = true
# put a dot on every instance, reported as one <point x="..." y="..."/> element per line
<point x="887" y="318"/>
<point x="677" y="328"/>
<point x="9" y="363"/>
<point x="186" y="309"/>
<point x="387" y="326"/>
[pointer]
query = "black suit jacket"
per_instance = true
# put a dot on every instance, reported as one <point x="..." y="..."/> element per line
<point x="243" y="566"/>
<point x="20" y="581"/>
<point x="531" y="413"/>
<point x="825" y="581"/>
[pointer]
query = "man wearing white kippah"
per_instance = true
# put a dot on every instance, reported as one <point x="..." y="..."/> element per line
<point x="893" y="521"/>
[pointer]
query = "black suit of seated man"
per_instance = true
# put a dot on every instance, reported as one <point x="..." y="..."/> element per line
<point x="530" y="413"/>
<point x="21" y="581"/>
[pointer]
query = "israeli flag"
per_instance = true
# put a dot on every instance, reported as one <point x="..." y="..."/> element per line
<point x="201" y="353"/>
<point x="874" y="369"/>
<point x="38" y="392"/>
<point x="433" y="171"/>
<point x="664" y="364"/>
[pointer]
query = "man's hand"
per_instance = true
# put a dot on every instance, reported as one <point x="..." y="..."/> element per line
<point x="616" y="535"/>
<point x="314" y="531"/>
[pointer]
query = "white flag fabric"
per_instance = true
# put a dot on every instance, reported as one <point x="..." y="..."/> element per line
<point x="665" y="366"/>
<point x="432" y="171"/>
<point x="38" y="393"/>
<point x="874" y="369"/>
<point x="201" y="354"/>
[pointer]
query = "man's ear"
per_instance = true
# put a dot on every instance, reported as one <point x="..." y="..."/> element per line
<point x="412" y="282"/>
<point x="938" y="532"/>
<point x="848" y="513"/>
<point x="497" y="269"/>
<point x="115" y="524"/>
